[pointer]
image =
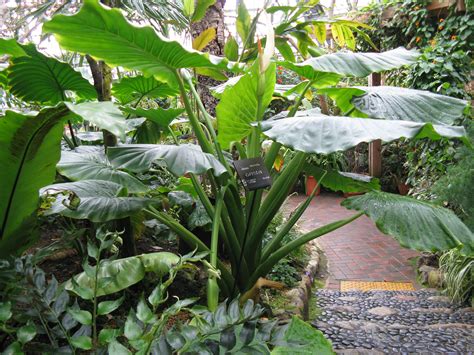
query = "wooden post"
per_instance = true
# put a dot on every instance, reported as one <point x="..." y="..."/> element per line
<point x="375" y="147"/>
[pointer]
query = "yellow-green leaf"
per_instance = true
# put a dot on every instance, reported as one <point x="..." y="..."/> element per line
<point x="206" y="37"/>
<point x="188" y="7"/>
<point x="319" y="30"/>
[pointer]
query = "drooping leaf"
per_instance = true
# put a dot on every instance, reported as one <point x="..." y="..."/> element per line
<point x="352" y="64"/>
<point x="39" y="78"/>
<point x="10" y="46"/>
<point x="106" y="307"/>
<point x="285" y="49"/>
<point x="95" y="200"/>
<point x="301" y="338"/>
<point x="395" y="103"/>
<point x="238" y="106"/>
<point x="130" y="89"/>
<point x="180" y="160"/>
<point x="29" y="151"/>
<point x="104" y="115"/>
<point x="120" y="274"/>
<point x="413" y="223"/>
<point x="341" y="181"/>
<point x="231" y="49"/>
<point x="204" y="38"/>
<point x="95" y="166"/>
<point x="162" y="117"/>
<point x="105" y="34"/>
<point x="201" y="8"/>
<point x="327" y="134"/>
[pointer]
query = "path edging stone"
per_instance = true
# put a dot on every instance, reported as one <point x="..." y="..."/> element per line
<point x="301" y="294"/>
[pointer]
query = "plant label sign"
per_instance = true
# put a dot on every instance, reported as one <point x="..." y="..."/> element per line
<point x="252" y="173"/>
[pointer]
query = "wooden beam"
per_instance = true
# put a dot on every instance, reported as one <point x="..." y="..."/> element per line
<point x="375" y="147"/>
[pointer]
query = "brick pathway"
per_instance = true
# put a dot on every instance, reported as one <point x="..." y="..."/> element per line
<point x="357" y="251"/>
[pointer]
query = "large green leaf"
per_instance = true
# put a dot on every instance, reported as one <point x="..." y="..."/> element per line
<point x="120" y="274"/>
<point x="413" y="223"/>
<point x="39" y="78"/>
<point x="11" y="47"/>
<point x="201" y="8"/>
<point x="95" y="166"/>
<point x="238" y="106"/>
<point x="302" y="339"/>
<point x="104" y="115"/>
<point x="95" y="200"/>
<point x="180" y="159"/>
<point x="327" y="134"/>
<point x="131" y="89"/>
<point x="105" y="34"/>
<point x="395" y="103"/>
<point x="160" y="116"/>
<point x="352" y="64"/>
<point x="342" y="181"/>
<point x="29" y="151"/>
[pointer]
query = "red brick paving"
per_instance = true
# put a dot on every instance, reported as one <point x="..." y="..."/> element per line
<point x="357" y="251"/>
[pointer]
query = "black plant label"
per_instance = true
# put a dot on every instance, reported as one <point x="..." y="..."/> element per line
<point x="252" y="173"/>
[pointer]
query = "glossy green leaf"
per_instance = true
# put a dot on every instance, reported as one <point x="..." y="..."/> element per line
<point x="105" y="34"/>
<point x="218" y="90"/>
<point x="104" y="115"/>
<point x="39" y="78"/>
<point x="188" y="7"/>
<point x="107" y="307"/>
<point x="95" y="200"/>
<point x="82" y="342"/>
<point x="238" y="106"/>
<point x="285" y="49"/>
<point x="231" y="49"/>
<point x="122" y="273"/>
<point x="5" y="311"/>
<point x="13" y="349"/>
<point x="327" y="134"/>
<point x="352" y="64"/>
<point x="118" y="349"/>
<point x="180" y="160"/>
<point x="201" y="8"/>
<point x="83" y="317"/>
<point x="144" y="313"/>
<point x="29" y="151"/>
<point x="132" y="89"/>
<point x="95" y="166"/>
<point x="341" y="181"/>
<point x="10" y="46"/>
<point x="132" y="330"/>
<point x="107" y="336"/>
<point x="393" y="103"/>
<point x="162" y="117"/>
<point x="243" y="22"/>
<point x="413" y="223"/>
<point x="303" y="339"/>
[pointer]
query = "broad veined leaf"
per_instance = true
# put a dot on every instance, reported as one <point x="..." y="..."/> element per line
<point x="130" y="89"/>
<point x="95" y="166"/>
<point x="204" y="38"/>
<point x="105" y="34"/>
<point x="327" y="134"/>
<point x="201" y="8"/>
<point x="342" y="181"/>
<point x="413" y="223"/>
<point x="352" y="64"/>
<point x="231" y="49"/>
<point x="117" y="275"/>
<point x="393" y="103"/>
<point x="38" y="78"/>
<point x="10" y="46"/>
<point x="162" y="117"/>
<point x="301" y="339"/>
<point x="243" y="22"/>
<point x="95" y="200"/>
<point x="29" y="151"/>
<point x="180" y="159"/>
<point x="218" y="90"/>
<point x="104" y="115"/>
<point x="238" y="106"/>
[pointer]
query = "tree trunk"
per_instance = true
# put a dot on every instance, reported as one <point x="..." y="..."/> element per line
<point x="214" y="18"/>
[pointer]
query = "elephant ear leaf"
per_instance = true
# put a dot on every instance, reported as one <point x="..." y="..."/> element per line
<point x="132" y="89"/>
<point x="392" y="103"/>
<point x="29" y="151"/>
<point x="352" y="64"/>
<point x="105" y="34"/>
<point x="180" y="159"/>
<point x="413" y="223"/>
<point x="38" y="78"/>
<point x="95" y="200"/>
<point x="162" y="117"/>
<point x="10" y="46"/>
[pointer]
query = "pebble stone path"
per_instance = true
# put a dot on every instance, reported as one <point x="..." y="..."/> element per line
<point x="378" y="322"/>
<point x="394" y="322"/>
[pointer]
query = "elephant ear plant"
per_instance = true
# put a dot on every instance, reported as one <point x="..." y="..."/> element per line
<point x="241" y="218"/>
